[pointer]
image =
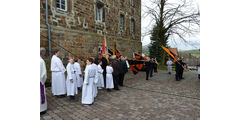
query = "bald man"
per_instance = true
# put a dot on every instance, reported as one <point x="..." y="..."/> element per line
<point x="43" y="78"/>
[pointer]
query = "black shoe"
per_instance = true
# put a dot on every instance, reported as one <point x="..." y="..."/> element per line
<point x="59" y="96"/>
<point x="43" y="112"/>
<point x="72" y="97"/>
<point x="146" y="79"/>
<point x="108" y="90"/>
<point x="117" y="89"/>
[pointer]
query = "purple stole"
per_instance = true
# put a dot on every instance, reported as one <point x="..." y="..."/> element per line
<point x="42" y="93"/>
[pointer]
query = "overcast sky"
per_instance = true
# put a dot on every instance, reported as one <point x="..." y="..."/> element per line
<point x="193" y="41"/>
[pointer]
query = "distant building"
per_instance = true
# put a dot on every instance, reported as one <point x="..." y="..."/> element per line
<point x="78" y="25"/>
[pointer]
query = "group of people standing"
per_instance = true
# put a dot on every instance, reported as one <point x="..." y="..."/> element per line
<point x="179" y="68"/>
<point x="99" y="73"/>
<point x="62" y="85"/>
<point x="149" y="66"/>
<point x="116" y="66"/>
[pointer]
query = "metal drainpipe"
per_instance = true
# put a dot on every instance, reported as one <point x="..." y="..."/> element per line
<point x="49" y="32"/>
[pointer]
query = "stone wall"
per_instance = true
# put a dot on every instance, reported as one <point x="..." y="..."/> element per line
<point x="77" y="29"/>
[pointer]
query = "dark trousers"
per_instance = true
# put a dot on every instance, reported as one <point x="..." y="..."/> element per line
<point x="115" y="82"/>
<point x="151" y="72"/>
<point x="72" y="97"/>
<point x="155" y="69"/>
<point x="178" y="75"/>
<point x="121" y="79"/>
<point x="104" y="78"/>
<point x="147" y="74"/>
<point x="181" y="74"/>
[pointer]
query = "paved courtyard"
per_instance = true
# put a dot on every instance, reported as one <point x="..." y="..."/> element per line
<point x="159" y="98"/>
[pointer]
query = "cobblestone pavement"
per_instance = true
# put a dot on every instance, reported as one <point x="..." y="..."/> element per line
<point x="159" y="98"/>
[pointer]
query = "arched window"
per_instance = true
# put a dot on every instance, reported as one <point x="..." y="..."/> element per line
<point x="100" y="12"/>
<point x="132" y="26"/>
<point x="121" y="21"/>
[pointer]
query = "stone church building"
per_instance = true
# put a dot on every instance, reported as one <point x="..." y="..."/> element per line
<point x="79" y="25"/>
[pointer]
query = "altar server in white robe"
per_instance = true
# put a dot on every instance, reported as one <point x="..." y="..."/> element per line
<point x="43" y="77"/>
<point x="89" y="77"/>
<point x="95" y="91"/>
<point x="58" y="76"/>
<point x="109" y="77"/>
<point x="100" y="83"/>
<point x="169" y="64"/>
<point x="78" y="73"/>
<point x="71" y="81"/>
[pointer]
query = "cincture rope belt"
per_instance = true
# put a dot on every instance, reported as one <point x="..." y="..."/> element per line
<point x="92" y="77"/>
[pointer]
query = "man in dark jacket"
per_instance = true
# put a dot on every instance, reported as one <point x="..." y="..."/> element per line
<point x="181" y="69"/>
<point x="99" y="57"/>
<point x="147" y="67"/>
<point x="155" y="65"/>
<point x="115" y="73"/>
<point x="104" y="65"/>
<point x="151" y="67"/>
<point x="122" y="70"/>
<point x="178" y="69"/>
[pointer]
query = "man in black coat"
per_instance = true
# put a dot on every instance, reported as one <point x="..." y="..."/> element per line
<point x="181" y="69"/>
<point x="115" y="73"/>
<point x="99" y="57"/>
<point x="178" y="68"/>
<point x="155" y="65"/>
<point x="104" y="66"/>
<point x="147" y="67"/>
<point x="151" y="67"/>
<point x="122" y="70"/>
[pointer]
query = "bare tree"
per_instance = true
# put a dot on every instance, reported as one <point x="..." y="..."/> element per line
<point x="172" y="18"/>
<point x="180" y="18"/>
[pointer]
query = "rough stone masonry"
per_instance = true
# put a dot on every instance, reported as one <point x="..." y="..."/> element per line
<point x="78" y="25"/>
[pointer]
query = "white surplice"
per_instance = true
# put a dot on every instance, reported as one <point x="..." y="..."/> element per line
<point x="78" y="74"/>
<point x="109" y="77"/>
<point x="87" y="90"/>
<point x="95" y="90"/>
<point x="169" y="63"/>
<point x="100" y="77"/>
<point x="58" y="77"/>
<point x="71" y="75"/>
<point x="43" y="78"/>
